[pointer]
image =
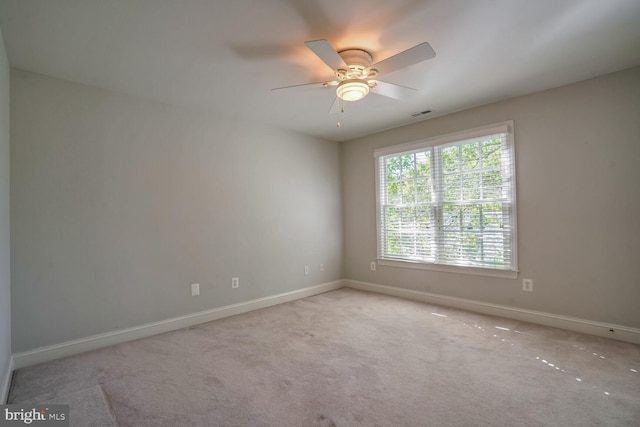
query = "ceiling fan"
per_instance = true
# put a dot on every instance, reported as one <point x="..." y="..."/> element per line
<point x="356" y="76"/>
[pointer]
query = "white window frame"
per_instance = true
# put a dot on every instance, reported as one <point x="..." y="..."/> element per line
<point x="437" y="144"/>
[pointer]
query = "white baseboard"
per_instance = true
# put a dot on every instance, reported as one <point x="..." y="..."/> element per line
<point x="69" y="348"/>
<point x="5" y="381"/>
<point x="618" y="332"/>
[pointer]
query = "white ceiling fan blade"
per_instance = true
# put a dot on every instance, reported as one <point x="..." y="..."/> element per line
<point x="304" y="86"/>
<point x="327" y="53"/>
<point x="394" y="91"/>
<point x="411" y="56"/>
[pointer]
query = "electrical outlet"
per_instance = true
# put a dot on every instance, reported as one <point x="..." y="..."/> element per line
<point x="372" y="266"/>
<point x="527" y="285"/>
<point x="235" y="282"/>
<point x="306" y="270"/>
<point x="195" y="289"/>
<point x="321" y="267"/>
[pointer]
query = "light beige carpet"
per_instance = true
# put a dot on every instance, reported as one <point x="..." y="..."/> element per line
<point x="88" y="407"/>
<point x="350" y="358"/>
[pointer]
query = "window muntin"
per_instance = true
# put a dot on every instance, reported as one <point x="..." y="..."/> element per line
<point x="451" y="203"/>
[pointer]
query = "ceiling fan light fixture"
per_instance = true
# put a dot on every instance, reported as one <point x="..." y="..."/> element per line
<point x="352" y="89"/>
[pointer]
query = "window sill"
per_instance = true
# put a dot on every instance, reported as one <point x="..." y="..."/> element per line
<point x="475" y="271"/>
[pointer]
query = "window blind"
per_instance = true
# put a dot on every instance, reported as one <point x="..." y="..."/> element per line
<point x="449" y="203"/>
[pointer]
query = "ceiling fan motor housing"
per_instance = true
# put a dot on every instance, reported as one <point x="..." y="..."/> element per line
<point x="358" y="61"/>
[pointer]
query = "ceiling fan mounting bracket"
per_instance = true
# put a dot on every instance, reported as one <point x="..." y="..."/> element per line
<point x="354" y="57"/>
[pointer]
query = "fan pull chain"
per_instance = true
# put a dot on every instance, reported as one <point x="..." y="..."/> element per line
<point x="341" y="110"/>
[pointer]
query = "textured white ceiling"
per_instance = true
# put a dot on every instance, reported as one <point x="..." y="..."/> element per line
<point x="225" y="56"/>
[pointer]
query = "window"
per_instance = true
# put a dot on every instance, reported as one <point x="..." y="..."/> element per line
<point x="449" y="200"/>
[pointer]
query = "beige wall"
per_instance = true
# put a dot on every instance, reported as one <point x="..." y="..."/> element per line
<point x="5" y="275"/>
<point x="119" y="204"/>
<point x="578" y="187"/>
